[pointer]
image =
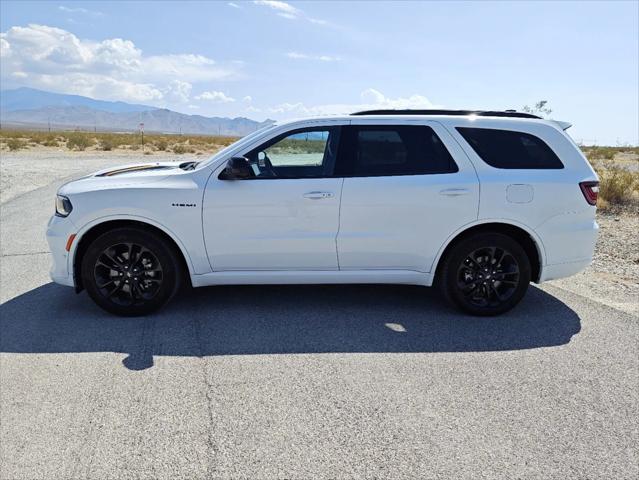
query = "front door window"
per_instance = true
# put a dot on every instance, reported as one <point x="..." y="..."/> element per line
<point x="308" y="153"/>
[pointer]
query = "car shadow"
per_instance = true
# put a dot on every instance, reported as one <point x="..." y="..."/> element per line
<point x="276" y="319"/>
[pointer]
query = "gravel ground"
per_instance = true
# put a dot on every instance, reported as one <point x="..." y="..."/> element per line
<point x="305" y="381"/>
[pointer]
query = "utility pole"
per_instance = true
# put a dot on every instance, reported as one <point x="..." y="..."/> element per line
<point x="142" y="133"/>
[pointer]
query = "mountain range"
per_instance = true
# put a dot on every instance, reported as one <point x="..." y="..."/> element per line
<point x="31" y="108"/>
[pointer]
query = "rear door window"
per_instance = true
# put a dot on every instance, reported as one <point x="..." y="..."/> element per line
<point x="510" y="149"/>
<point x="383" y="150"/>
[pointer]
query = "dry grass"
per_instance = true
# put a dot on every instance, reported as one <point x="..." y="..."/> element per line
<point x="609" y="153"/>
<point x="618" y="171"/>
<point x="23" y="139"/>
<point x="16" y="144"/>
<point x="618" y="187"/>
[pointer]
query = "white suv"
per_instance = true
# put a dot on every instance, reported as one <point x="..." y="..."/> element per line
<point x="479" y="203"/>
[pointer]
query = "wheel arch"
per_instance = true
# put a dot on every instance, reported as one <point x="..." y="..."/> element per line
<point x="531" y="242"/>
<point x="96" y="228"/>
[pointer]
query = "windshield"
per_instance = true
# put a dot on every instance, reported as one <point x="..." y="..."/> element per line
<point x="244" y="140"/>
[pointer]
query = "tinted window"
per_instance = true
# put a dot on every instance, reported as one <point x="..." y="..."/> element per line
<point x="300" y="153"/>
<point x="392" y="150"/>
<point x="508" y="149"/>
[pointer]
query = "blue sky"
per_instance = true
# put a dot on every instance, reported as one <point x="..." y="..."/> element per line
<point x="275" y="59"/>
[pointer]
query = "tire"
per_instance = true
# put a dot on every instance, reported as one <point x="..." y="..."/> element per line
<point x="485" y="274"/>
<point x="130" y="271"/>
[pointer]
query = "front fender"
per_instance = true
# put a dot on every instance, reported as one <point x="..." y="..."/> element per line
<point x="191" y="262"/>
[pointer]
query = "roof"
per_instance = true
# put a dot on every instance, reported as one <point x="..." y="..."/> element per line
<point x="479" y="113"/>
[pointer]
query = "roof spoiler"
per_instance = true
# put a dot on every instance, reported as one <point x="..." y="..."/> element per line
<point x="562" y="125"/>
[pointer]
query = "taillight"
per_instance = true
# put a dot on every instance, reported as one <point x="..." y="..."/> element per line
<point x="590" y="191"/>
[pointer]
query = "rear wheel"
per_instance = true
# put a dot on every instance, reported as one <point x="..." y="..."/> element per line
<point x="130" y="272"/>
<point x="485" y="274"/>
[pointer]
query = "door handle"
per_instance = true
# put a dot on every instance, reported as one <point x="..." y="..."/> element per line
<point x="318" y="195"/>
<point x="454" y="192"/>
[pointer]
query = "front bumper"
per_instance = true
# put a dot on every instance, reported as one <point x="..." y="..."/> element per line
<point x="58" y="231"/>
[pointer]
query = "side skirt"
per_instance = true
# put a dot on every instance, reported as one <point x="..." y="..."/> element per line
<point x="405" y="277"/>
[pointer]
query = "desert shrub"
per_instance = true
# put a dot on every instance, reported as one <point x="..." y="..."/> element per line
<point x="111" y="141"/>
<point x="617" y="186"/>
<point x="605" y="153"/>
<point x="106" y="144"/>
<point x="47" y="139"/>
<point x="179" y="149"/>
<point x="161" y="144"/>
<point x="16" y="144"/>
<point x="78" y="141"/>
<point x="594" y="153"/>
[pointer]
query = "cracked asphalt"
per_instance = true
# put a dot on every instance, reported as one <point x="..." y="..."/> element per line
<point x="306" y="381"/>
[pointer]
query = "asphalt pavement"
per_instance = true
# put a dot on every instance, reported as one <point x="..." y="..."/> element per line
<point x="306" y="381"/>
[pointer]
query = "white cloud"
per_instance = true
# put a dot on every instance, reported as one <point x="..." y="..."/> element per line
<point x="83" y="11"/>
<point x="5" y="48"/>
<point x="215" y="97"/>
<point x="247" y="99"/>
<point x="369" y="99"/>
<point x="234" y="5"/>
<point x="286" y="10"/>
<point x="305" y="56"/>
<point x="178" y="91"/>
<point x="55" y="59"/>
<point x="281" y="7"/>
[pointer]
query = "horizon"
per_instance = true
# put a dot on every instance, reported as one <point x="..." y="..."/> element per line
<point x="151" y="107"/>
<point x="296" y="59"/>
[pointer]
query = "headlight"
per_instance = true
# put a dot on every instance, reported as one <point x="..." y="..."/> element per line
<point x="63" y="206"/>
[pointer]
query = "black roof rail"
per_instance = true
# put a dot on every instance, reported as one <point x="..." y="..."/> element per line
<point x="479" y="113"/>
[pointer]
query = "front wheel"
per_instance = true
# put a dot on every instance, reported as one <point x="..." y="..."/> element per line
<point x="485" y="274"/>
<point x="130" y="271"/>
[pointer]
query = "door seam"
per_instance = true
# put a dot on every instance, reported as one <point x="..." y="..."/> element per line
<point x="339" y="222"/>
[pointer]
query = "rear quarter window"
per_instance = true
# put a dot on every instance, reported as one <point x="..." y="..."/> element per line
<point x="510" y="149"/>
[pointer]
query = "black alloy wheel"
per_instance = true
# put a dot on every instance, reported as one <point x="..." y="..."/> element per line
<point x="488" y="276"/>
<point x="485" y="274"/>
<point x="128" y="274"/>
<point x="131" y="271"/>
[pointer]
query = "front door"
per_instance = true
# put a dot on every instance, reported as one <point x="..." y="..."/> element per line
<point x="286" y="216"/>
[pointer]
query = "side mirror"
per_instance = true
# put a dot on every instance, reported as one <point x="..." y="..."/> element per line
<point x="237" y="168"/>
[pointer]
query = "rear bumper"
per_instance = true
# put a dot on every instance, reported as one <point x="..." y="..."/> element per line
<point x="569" y="241"/>
<point x="562" y="270"/>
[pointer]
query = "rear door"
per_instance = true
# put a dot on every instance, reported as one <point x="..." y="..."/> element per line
<point x="407" y="187"/>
